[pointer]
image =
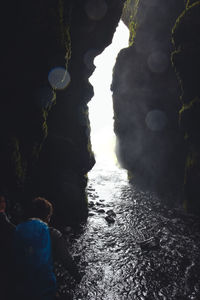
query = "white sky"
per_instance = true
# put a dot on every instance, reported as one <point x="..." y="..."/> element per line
<point x="100" y="106"/>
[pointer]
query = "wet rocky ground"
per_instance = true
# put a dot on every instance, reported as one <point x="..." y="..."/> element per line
<point x="133" y="246"/>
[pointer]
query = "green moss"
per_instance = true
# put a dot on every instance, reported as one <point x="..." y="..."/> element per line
<point x="132" y="29"/>
<point x="185" y="38"/>
<point x="188" y="106"/>
<point x="130" y="176"/>
<point x="65" y="31"/>
<point x="173" y="55"/>
<point x="18" y="164"/>
<point x="44" y="124"/>
<point x="45" y="113"/>
<point x="186" y="136"/>
<point x="44" y="129"/>
<point x="191" y="160"/>
<point x="130" y="10"/>
<point x="184" y="18"/>
<point x="189" y="121"/>
<point x="189" y="4"/>
<point x="68" y="46"/>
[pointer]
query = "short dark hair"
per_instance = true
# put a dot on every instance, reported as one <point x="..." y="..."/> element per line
<point x="40" y="208"/>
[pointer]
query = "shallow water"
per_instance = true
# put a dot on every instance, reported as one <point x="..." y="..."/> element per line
<point x="132" y="246"/>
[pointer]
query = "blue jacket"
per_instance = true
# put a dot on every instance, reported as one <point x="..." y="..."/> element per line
<point x="34" y="266"/>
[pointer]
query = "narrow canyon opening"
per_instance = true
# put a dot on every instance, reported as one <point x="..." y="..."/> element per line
<point x="101" y="106"/>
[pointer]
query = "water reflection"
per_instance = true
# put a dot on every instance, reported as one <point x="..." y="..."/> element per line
<point x="116" y="265"/>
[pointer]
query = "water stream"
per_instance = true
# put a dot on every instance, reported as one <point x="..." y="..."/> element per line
<point x="133" y="246"/>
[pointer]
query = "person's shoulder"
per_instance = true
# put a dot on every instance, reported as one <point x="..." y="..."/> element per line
<point x="32" y="223"/>
<point x="55" y="232"/>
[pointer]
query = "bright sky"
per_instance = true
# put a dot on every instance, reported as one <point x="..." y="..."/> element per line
<point x="101" y="107"/>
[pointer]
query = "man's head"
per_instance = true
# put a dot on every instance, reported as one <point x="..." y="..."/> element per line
<point x="2" y="203"/>
<point x="41" y="208"/>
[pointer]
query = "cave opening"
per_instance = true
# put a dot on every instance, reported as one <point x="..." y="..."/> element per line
<point x="101" y="106"/>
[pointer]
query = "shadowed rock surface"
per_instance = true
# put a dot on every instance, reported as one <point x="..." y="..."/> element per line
<point x="186" y="60"/>
<point x="134" y="244"/>
<point x="146" y="99"/>
<point x="48" y="51"/>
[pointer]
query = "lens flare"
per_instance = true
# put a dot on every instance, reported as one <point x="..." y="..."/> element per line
<point x="96" y="9"/>
<point x="156" y="120"/>
<point x="59" y="78"/>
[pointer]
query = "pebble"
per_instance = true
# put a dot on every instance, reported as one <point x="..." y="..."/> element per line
<point x="91" y="204"/>
<point x="101" y="210"/>
<point x="110" y="219"/>
<point x="110" y="213"/>
<point x="151" y="243"/>
<point x="91" y="189"/>
<point x="100" y="204"/>
<point x="90" y="214"/>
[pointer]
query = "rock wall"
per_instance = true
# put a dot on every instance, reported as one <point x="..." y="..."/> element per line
<point x="146" y="99"/>
<point x="48" y="50"/>
<point x="186" y="60"/>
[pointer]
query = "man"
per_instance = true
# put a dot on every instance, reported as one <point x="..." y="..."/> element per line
<point x="6" y="238"/>
<point x="35" y="278"/>
<point x="42" y="209"/>
<point x="34" y="245"/>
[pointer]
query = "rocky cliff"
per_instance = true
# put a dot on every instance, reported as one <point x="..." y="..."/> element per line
<point x="186" y="60"/>
<point x="146" y="99"/>
<point x="48" y="51"/>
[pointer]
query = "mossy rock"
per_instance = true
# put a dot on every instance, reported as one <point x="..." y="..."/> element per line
<point x="186" y="58"/>
<point x="191" y="184"/>
<point x="183" y="31"/>
<point x="190" y="121"/>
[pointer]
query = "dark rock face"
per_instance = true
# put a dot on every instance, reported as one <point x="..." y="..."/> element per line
<point x="45" y="135"/>
<point x="186" y="59"/>
<point x="146" y="98"/>
<point x="48" y="51"/>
